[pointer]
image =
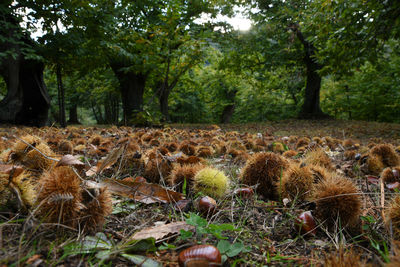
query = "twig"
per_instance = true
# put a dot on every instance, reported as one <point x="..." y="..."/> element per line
<point x="382" y="198"/>
<point x="44" y="155"/>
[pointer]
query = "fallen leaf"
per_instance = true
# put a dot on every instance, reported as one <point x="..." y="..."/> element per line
<point x="393" y="186"/>
<point x="110" y="159"/>
<point x="92" y="171"/>
<point x="158" y="232"/>
<point x="11" y="170"/>
<point x="182" y="205"/>
<point x="143" y="192"/>
<point x="34" y="260"/>
<point x="70" y="160"/>
<point x="373" y="179"/>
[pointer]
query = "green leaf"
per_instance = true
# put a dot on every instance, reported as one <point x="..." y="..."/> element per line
<point x="97" y="242"/>
<point x="142" y="260"/>
<point x="185" y="234"/>
<point x="104" y="254"/>
<point x="165" y="246"/>
<point x="143" y="245"/>
<point x="223" y="246"/>
<point x="235" y="249"/>
<point x="196" y="220"/>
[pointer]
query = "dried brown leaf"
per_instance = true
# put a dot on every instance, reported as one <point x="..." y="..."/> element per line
<point x="143" y="192"/>
<point x="70" y="160"/>
<point x="11" y="170"/>
<point x="110" y="159"/>
<point x="158" y="232"/>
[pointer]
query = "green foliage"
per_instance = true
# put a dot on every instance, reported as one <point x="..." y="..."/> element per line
<point x="203" y="229"/>
<point x="3" y="88"/>
<point x="372" y="93"/>
<point x="376" y="240"/>
<point x="105" y="249"/>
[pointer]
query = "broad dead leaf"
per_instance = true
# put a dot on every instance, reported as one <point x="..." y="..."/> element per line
<point x="142" y="192"/>
<point x="373" y="179"/>
<point x="110" y="159"/>
<point x="158" y="232"/>
<point x="11" y="170"/>
<point x="70" y="160"/>
<point x="92" y="171"/>
<point x="393" y="186"/>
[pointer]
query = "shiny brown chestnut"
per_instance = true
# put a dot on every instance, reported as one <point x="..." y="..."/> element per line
<point x="305" y="223"/>
<point x="200" y="255"/>
<point x="207" y="205"/>
<point x="245" y="193"/>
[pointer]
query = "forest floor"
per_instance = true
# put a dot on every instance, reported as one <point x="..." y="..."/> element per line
<point x="54" y="210"/>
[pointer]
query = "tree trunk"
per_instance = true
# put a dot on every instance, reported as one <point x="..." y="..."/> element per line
<point x="61" y="97"/>
<point x="27" y="101"/>
<point x="132" y="88"/>
<point x="311" y="107"/>
<point x="73" y="114"/>
<point x="228" y="111"/>
<point x="163" y="99"/>
<point x="111" y="109"/>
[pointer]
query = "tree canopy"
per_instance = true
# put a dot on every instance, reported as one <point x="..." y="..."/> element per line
<point x="140" y="62"/>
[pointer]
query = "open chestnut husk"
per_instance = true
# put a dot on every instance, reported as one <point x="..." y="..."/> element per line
<point x="207" y="205"/>
<point x="200" y="255"/>
<point x="305" y="223"/>
<point x="245" y="192"/>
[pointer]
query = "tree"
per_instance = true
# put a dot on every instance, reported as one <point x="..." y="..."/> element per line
<point x="282" y="21"/>
<point x="27" y="101"/>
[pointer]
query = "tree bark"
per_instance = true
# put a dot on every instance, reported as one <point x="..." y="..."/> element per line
<point x="311" y="107"/>
<point x="164" y="108"/>
<point x="73" y="114"/>
<point x="132" y="88"/>
<point x="228" y="110"/>
<point x="27" y="101"/>
<point x="227" y="113"/>
<point x="111" y="109"/>
<point x="61" y="97"/>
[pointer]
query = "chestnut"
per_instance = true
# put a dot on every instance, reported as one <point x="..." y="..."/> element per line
<point x="200" y="255"/>
<point x="245" y="193"/>
<point x="305" y="223"/>
<point x="207" y="205"/>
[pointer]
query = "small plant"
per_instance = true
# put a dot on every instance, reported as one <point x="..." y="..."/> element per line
<point x="203" y="229"/>
<point x="105" y="249"/>
<point x="376" y="240"/>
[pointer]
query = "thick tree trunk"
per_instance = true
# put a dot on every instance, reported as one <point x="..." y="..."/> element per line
<point x="61" y="97"/>
<point x="27" y="101"/>
<point x="132" y="88"/>
<point x="311" y="107"/>
<point x="164" y="108"/>
<point x="227" y="113"/>
<point x="228" y="110"/>
<point x="73" y="114"/>
<point x="111" y="109"/>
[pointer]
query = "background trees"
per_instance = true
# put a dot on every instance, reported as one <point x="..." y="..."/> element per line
<point x="139" y="62"/>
